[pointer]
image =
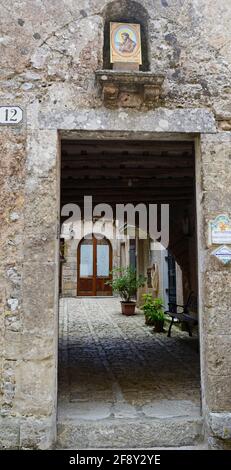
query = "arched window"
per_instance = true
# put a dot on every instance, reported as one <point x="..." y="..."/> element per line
<point x="126" y="11"/>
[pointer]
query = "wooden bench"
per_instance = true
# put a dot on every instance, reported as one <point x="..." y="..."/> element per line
<point x="187" y="315"/>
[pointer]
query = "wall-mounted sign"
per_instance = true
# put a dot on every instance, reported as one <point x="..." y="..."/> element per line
<point x="10" y="115"/>
<point x="220" y="231"/>
<point x="125" y="43"/>
<point x="223" y="254"/>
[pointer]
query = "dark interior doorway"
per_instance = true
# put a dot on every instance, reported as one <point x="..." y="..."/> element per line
<point x="115" y="374"/>
<point x="148" y="172"/>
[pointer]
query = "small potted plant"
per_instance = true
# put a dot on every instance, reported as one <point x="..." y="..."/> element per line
<point x="154" y="312"/>
<point x="126" y="282"/>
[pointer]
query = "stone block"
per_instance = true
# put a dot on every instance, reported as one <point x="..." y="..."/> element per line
<point x="217" y="289"/>
<point x="218" y="444"/>
<point x="13" y="321"/>
<point x="37" y="433"/>
<point x="217" y="176"/>
<point x="36" y="390"/>
<point x="215" y="204"/>
<point x="36" y="347"/>
<point x="225" y="125"/>
<point x="178" y="120"/>
<point x="42" y="153"/>
<point x="9" y="433"/>
<point x="42" y="247"/>
<point x="218" y="393"/>
<point x="220" y="425"/>
<point x="41" y="209"/>
<point x="69" y="293"/>
<point x="2" y="333"/>
<point x="215" y="149"/>
<point x="218" y="354"/>
<point x="39" y="289"/>
<point x="69" y="286"/>
<point x="128" y="433"/>
<point x="216" y="321"/>
<point x="12" y="345"/>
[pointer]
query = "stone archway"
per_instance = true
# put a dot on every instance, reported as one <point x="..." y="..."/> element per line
<point x="40" y="273"/>
<point x="89" y="165"/>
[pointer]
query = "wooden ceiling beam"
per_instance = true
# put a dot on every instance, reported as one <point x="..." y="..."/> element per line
<point x="167" y="200"/>
<point x="131" y="157"/>
<point x="94" y="147"/>
<point x="129" y="191"/>
<point x="127" y="172"/>
<point x="150" y="163"/>
<point x="127" y="197"/>
<point x="123" y="183"/>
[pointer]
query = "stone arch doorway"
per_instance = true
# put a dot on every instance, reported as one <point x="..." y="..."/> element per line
<point x="94" y="265"/>
<point x="112" y="366"/>
<point x="38" y="394"/>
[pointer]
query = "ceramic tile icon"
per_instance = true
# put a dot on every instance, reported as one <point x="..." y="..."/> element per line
<point x="223" y="253"/>
<point x="125" y="43"/>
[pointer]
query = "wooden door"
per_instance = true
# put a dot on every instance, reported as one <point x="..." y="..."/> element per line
<point x="94" y="264"/>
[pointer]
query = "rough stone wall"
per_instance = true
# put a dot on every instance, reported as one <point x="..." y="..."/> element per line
<point x="215" y="286"/>
<point x="69" y="269"/>
<point x="12" y="144"/>
<point x="50" y="50"/>
<point x="52" y="61"/>
<point x="28" y="288"/>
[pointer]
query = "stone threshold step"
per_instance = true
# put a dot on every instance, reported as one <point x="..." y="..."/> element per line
<point x="203" y="446"/>
<point x="125" y="433"/>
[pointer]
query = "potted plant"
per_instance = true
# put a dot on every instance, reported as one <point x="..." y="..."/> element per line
<point x="154" y="312"/>
<point x="147" y="309"/>
<point x="126" y="282"/>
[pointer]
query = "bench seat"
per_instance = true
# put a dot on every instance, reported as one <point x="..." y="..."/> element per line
<point x="187" y="315"/>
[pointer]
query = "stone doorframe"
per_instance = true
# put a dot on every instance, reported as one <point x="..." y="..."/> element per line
<point x="37" y="387"/>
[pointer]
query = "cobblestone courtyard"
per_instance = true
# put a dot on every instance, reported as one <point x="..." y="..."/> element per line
<point x="113" y="367"/>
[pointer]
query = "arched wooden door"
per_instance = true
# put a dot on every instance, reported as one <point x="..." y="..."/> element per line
<point x="94" y="264"/>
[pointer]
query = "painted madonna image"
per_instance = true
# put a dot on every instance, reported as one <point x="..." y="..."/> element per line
<point x="128" y="45"/>
<point x="125" y="43"/>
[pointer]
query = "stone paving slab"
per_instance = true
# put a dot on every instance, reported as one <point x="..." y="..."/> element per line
<point x="114" y="369"/>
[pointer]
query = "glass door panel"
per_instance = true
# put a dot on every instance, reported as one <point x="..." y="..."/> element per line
<point x="86" y="260"/>
<point x="103" y="262"/>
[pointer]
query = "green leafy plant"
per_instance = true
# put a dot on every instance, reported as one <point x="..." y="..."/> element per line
<point x="126" y="282"/>
<point x="153" y="308"/>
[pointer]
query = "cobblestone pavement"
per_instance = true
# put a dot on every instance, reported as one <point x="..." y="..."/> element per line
<point x="114" y="366"/>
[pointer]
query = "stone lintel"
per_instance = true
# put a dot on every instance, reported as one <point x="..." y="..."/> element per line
<point x="161" y="121"/>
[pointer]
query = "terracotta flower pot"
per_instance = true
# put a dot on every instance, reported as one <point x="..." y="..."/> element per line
<point x="159" y="326"/>
<point x="128" y="308"/>
<point x="149" y="321"/>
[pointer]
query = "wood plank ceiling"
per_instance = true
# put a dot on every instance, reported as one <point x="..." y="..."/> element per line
<point x="116" y="172"/>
